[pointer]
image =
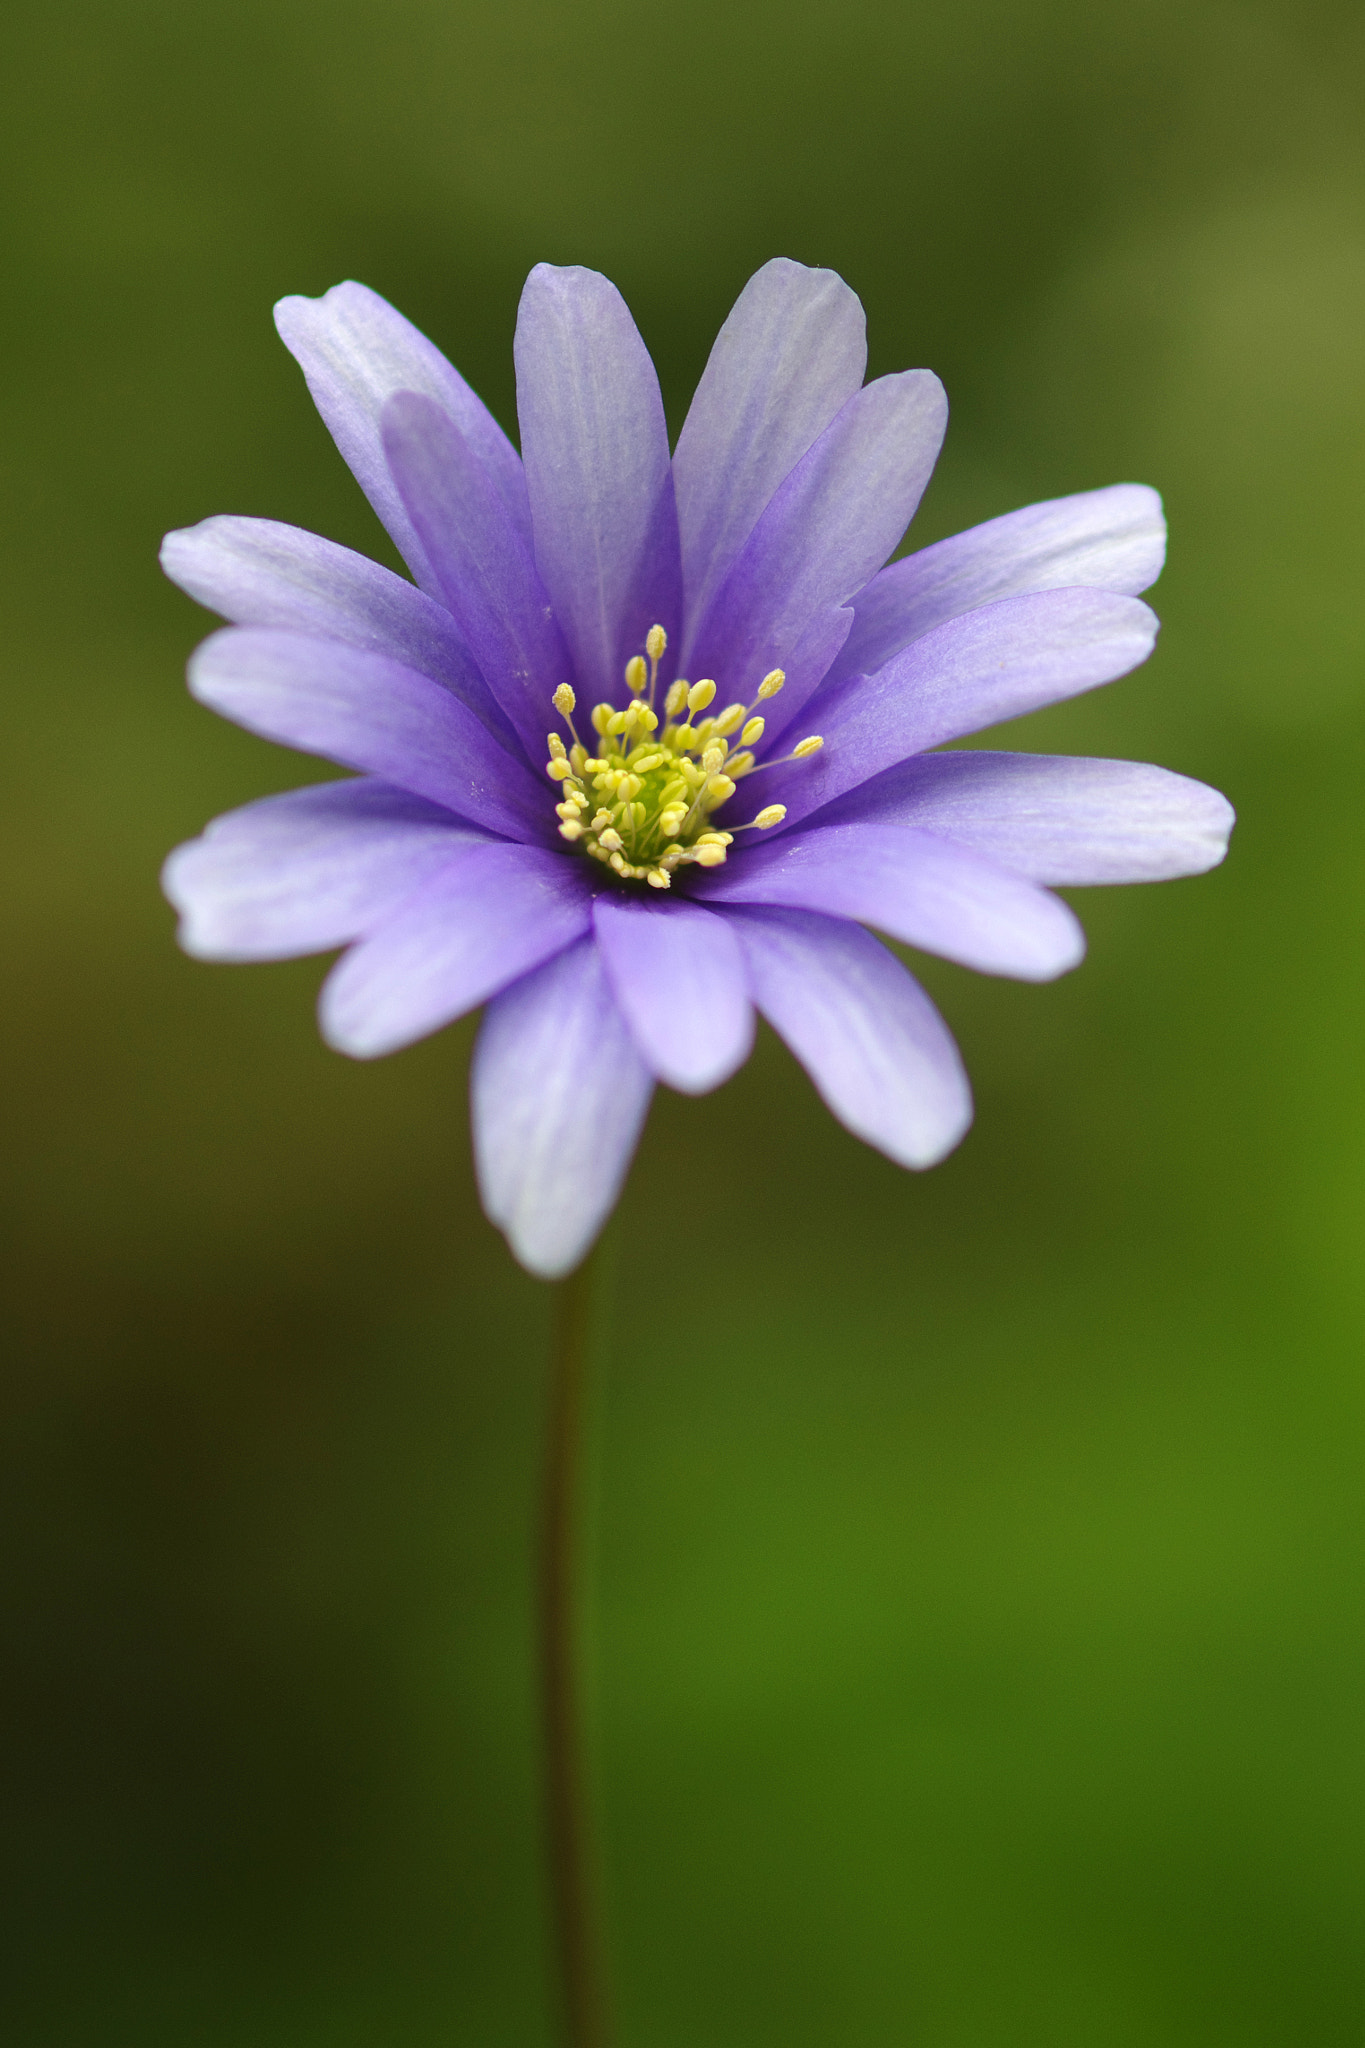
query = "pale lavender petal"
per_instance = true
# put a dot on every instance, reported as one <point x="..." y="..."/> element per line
<point x="559" y="1097"/>
<point x="482" y="562"/>
<point x="355" y="352"/>
<point x="792" y="352"/>
<point x="365" y="711"/>
<point x="1113" y="539"/>
<point x="490" y="915"/>
<point x="1057" y="818"/>
<point x="991" y="664"/>
<point x="596" y="452"/>
<point x="863" y="1028"/>
<point x="307" y="871"/>
<point x="678" y="977"/>
<point x="257" y="572"/>
<point x="806" y="668"/>
<point x="828" y="528"/>
<point x="919" y="889"/>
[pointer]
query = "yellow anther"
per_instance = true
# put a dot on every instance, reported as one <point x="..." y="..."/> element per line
<point x="810" y="746"/>
<point x="629" y="786"/>
<point x="578" y="755"/>
<point x="558" y="771"/>
<point x="618" y="861"/>
<point x="571" y="829"/>
<point x="655" y="642"/>
<point x="721" y="789"/>
<point x="700" y="695"/>
<point x="752" y="731"/>
<point x="676" y="698"/>
<point x="730" y="720"/>
<point x="770" y="815"/>
<point x="740" y="763"/>
<point x="772" y="682"/>
<point x="637" y="675"/>
<point x="709" y="855"/>
<point x="601" y="714"/>
<point x="618" y="721"/>
<point x="611" y="839"/>
<point x="657" y="879"/>
<point x="646" y="719"/>
<point x="713" y="760"/>
<point x="556" y="746"/>
<point x="564" y="700"/>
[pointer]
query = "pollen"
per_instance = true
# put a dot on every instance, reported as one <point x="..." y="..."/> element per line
<point x="644" y="802"/>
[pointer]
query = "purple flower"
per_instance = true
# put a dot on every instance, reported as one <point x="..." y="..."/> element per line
<point x="624" y="865"/>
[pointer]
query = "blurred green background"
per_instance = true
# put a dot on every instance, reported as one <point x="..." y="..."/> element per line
<point x="979" y="1649"/>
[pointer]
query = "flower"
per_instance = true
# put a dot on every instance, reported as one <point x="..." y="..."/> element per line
<point x="622" y="863"/>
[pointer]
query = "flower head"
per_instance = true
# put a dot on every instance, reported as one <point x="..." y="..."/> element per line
<point x="649" y="741"/>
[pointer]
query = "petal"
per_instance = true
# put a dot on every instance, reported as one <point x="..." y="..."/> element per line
<point x="355" y="352"/>
<point x="559" y="1096"/>
<point x="922" y="890"/>
<point x="678" y="977"/>
<point x="862" y="1027"/>
<point x="995" y="663"/>
<point x="792" y="352"/>
<point x="828" y="528"/>
<point x="489" y="916"/>
<point x="365" y="711"/>
<point x="306" y="871"/>
<point x="1057" y="818"/>
<point x="1113" y="539"/>
<point x="482" y="562"/>
<point x="596" y="451"/>
<point x="257" y="572"/>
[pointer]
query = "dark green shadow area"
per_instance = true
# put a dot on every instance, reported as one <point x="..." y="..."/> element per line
<point x="979" y="1658"/>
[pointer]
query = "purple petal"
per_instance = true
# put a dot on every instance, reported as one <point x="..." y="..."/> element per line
<point x="828" y="528"/>
<point x="678" y="977"/>
<point x="483" y="564"/>
<point x="1113" y="539"/>
<point x="792" y="352"/>
<point x="863" y="1028"/>
<point x="596" y="453"/>
<point x="1056" y="818"/>
<point x="257" y="572"/>
<point x="489" y="916"/>
<point x="559" y="1097"/>
<point x="991" y="664"/>
<point x="365" y="711"/>
<point x="355" y="352"/>
<point x="306" y="871"/>
<point x="922" y="890"/>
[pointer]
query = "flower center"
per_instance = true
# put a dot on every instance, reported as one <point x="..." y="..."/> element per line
<point x="642" y="801"/>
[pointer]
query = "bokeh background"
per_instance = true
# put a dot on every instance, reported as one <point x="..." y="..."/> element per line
<point x="978" y="1644"/>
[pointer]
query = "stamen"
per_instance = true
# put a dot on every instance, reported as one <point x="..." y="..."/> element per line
<point x="652" y="798"/>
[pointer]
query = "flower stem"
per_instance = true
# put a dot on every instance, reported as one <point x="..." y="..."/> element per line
<point x="571" y="1871"/>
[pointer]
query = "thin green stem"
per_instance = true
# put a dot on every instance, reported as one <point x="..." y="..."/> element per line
<point x="569" y="1836"/>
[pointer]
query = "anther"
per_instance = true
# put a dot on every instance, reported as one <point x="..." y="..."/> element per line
<point x="810" y="746"/>
<point x="601" y="713"/>
<point x="770" y="815"/>
<point x="636" y="674"/>
<point x="656" y="640"/>
<point x="700" y="695"/>
<point x="556" y="746"/>
<point x="564" y="700"/>
<point x="772" y="682"/>
<point x="752" y="731"/>
<point x="676" y="698"/>
<point x="730" y="720"/>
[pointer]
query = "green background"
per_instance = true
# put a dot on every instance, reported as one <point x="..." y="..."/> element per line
<point x="978" y="1641"/>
